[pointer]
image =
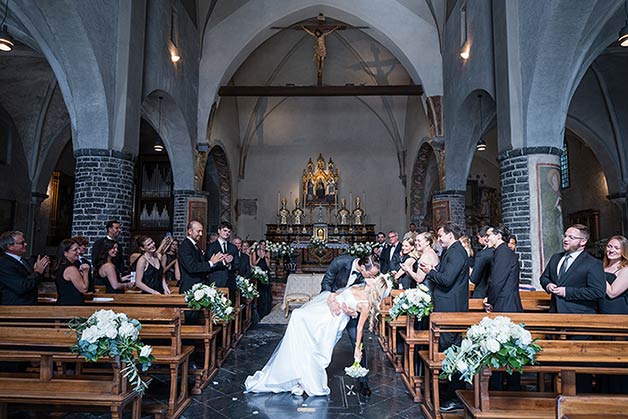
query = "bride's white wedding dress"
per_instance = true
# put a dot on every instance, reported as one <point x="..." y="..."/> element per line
<point x="305" y="350"/>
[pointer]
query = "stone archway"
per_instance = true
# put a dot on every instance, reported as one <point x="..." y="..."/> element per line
<point x="217" y="183"/>
<point x="424" y="182"/>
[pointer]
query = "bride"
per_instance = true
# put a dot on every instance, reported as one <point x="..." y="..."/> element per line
<point x="299" y="361"/>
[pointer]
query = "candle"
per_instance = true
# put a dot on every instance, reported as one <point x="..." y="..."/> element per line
<point x="278" y="201"/>
<point x="363" y="200"/>
<point x="350" y="201"/>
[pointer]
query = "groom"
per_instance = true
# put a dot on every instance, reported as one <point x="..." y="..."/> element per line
<point x="343" y="271"/>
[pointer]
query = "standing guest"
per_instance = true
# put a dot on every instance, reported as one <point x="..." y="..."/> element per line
<point x="194" y="265"/>
<point x="261" y="258"/>
<point x="615" y="300"/>
<point x="574" y="278"/>
<point x="482" y="266"/>
<point x="71" y="281"/>
<point x="381" y="242"/>
<point x="18" y="279"/>
<point x="113" y="232"/>
<point x="408" y="262"/>
<point x="242" y="261"/>
<point x="512" y="243"/>
<point x="450" y="280"/>
<point x="107" y="271"/>
<point x="223" y="274"/>
<point x="424" y="246"/>
<point x="503" y="285"/>
<point x="170" y="263"/>
<point x="83" y="243"/>
<point x="149" y="275"/>
<point x="389" y="260"/>
<point x="576" y="282"/>
<point x="411" y="233"/>
<point x="213" y="237"/>
<point x="136" y="252"/>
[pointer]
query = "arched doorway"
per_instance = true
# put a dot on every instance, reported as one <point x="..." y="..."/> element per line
<point x="217" y="183"/>
<point x="423" y="184"/>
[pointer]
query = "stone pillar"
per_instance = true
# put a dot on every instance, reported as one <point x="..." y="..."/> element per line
<point x="103" y="191"/>
<point x="33" y="220"/>
<point x="449" y="206"/>
<point x="619" y="200"/>
<point x="531" y="206"/>
<point x="188" y="205"/>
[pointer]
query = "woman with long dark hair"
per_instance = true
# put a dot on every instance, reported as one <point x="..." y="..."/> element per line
<point x="107" y="271"/>
<point x="261" y="258"/>
<point x="71" y="281"/>
<point x="149" y="275"/>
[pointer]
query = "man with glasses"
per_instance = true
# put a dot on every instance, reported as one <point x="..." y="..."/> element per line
<point x="482" y="265"/>
<point x="574" y="278"/>
<point x="18" y="279"/>
<point x="389" y="260"/>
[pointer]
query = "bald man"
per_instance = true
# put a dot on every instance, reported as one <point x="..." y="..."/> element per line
<point x="193" y="263"/>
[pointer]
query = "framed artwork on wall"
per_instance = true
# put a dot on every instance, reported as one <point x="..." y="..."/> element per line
<point x="197" y="210"/>
<point x="440" y="213"/>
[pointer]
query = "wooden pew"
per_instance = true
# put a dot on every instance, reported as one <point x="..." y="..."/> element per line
<point x="49" y="344"/>
<point x="592" y="407"/>
<point x="158" y="325"/>
<point x="412" y="339"/>
<point x="391" y="327"/>
<point x="561" y="355"/>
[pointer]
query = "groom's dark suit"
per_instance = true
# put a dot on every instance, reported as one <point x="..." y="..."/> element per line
<point x="335" y="278"/>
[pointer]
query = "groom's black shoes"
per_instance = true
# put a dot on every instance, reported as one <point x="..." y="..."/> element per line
<point x="364" y="390"/>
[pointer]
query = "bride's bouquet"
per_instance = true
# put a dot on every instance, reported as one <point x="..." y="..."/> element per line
<point x="356" y="370"/>
<point x="247" y="289"/>
<point x="109" y="334"/>
<point x="259" y="274"/>
<point x="414" y="301"/>
<point x="492" y="343"/>
<point x="207" y="296"/>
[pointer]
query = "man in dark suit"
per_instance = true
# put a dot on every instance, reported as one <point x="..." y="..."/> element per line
<point x="450" y="280"/>
<point x="574" y="278"/>
<point x="482" y="265"/>
<point x="503" y="284"/>
<point x="390" y="259"/>
<point x="343" y="271"/>
<point x="241" y="261"/>
<point x="18" y="279"/>
<point x="223" y="273"/>
<point x="193" y="264"/>
<point x="113" y="232"/>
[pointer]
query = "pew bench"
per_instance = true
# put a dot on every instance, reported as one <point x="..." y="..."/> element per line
<point x="412" y="339"/>
<point x="590" y="407"/>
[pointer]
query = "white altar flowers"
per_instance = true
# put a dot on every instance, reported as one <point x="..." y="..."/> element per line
<point x="109" y="334"/>
<point x="494" y="342"/>
<point x="207" y="296"/>
<point x="247" y="289"/>
<point x="414" y="301"/>
<point x="259" y="274"/>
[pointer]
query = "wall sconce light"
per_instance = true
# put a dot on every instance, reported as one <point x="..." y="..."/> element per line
<point x="6" y="40"/>
<point x="174" y="56"/>
<point x="464" y="52"/>
<point x="623" y="34"/>
<point x="481" y="145"/>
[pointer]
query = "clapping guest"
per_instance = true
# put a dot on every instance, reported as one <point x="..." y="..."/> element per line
<point x="71" y="281"/>
<point x="242" y="259"/>
<point x="170" y="262"/>
<point x="149" y="273"/>
<point x="83" y="243"/>
<point x="261" y="259"/>
<point x="389" y="259"/>
<point x="424" y="249"/>
<point x="381" y="242"/>
<point x="408" y="262"/>
<point x="108" y="272"/>
<point x="114" y="228"/>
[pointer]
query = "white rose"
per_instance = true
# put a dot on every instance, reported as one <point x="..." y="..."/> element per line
<point x="128" y="330"/>
<point x="91" y="334"/>
<point x="492" y="345"/>
<point x="104" y="316"/>
<point x="229" y="310"/>
<point x="525" y="337"/>
<point x="110" y="330"/>
<point x="198" y="295"/>
<point x="461" y="366"/>
<point x="146" y="350"/>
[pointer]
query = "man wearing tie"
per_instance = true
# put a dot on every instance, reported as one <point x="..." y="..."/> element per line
<point x="242" y="261"/>
<point x="194" y="265"/>
<point x="223" y="274"/>
<point x="389" y="260"/>
<point x="18" y="279"/>
<point x="344" y="271"/>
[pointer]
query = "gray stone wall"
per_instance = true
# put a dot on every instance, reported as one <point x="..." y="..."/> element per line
<point x="179" y="220"/>
<point x="456" y="207"/>
<point x="103" y="191"/>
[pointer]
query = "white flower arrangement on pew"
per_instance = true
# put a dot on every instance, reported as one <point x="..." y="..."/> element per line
<point x="109" y="334"/>
<point x="207" y="296"/>
<point x="259" y="274"/>
<point x="360" y="249"/>
<point x="414" y="301"/>
<point x="247" y="289"/>
<point x="494" y="343"/>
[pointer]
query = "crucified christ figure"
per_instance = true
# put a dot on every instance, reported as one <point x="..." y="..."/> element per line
<point x="320" y="51"/>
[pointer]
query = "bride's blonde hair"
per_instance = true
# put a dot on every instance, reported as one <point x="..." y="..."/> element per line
<point x="377" y="294"/>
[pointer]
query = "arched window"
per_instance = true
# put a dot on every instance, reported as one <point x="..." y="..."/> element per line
<point x="564" y="167"/>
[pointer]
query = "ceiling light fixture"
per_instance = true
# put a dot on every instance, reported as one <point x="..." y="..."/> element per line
<point x="6" y="40"/>
<point x="481" y="145"/>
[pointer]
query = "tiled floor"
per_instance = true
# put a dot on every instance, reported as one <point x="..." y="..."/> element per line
<point x="225" y="398"/>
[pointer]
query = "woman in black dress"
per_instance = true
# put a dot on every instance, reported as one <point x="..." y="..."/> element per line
<point x="107" y="272"/>
<point x="261" y="258"/>
<point x="71" y="281"/>
<point x="409" y="261"/>
<point x="149" y="276"/>
<point x="170" y="262"/>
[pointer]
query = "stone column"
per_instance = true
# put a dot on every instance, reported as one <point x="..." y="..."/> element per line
<point x="33" y="220"/>
<point x="188" y="205"/>
<point x="531" y="206"/>
<point x="103" y="191"/>
<point x="619" y="199"/>
<point x="449" y="206"/>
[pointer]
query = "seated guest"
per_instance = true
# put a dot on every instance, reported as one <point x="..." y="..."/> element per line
<point x="18" y="279"/>
<point x="83" y="242"/>
<point x="108" y="272"/>
<point x="71" y="281"/>
<point x="149" y="273"/>
<point x="170" y="263"/>
<point x="616" y="273"/>
<point x="407" y="262"/>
